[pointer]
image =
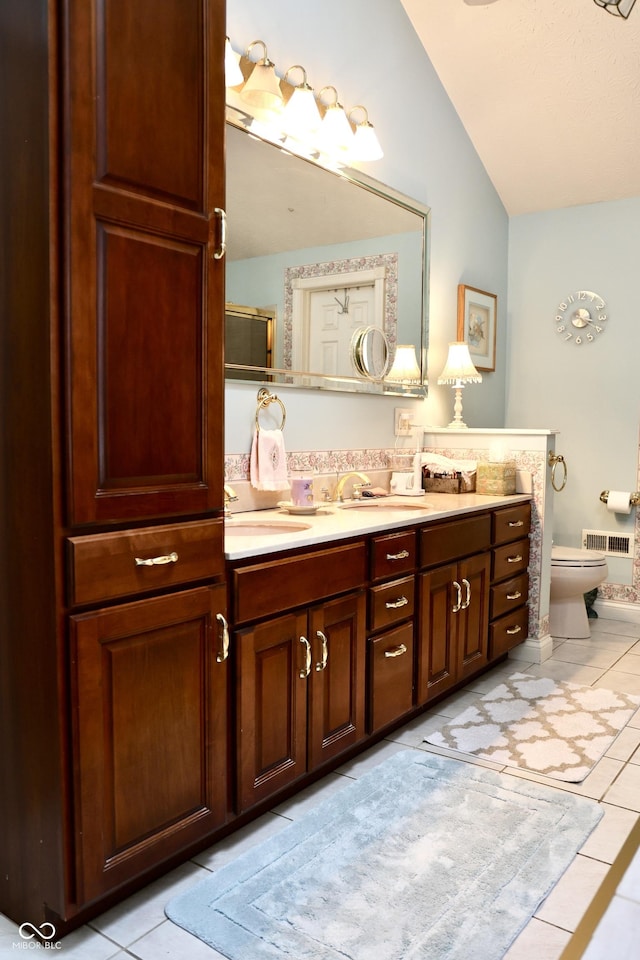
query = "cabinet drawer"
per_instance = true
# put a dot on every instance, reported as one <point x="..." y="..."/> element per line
<point x="393" y="554"/>
<point x="262" y="589"/>
<point x="510" y="559"/>
<point x="109" y="565"/>
<point x="511" y="523"/>
<point x="508" y="632"/>
<point x="508" y="595"/>
<point x="442" y="542"/>
<point x="391" y="602"/>
<point x="390" y="691"/>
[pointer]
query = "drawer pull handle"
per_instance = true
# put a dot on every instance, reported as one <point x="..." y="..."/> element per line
<point x="516" y="559"/>
<point x="224" y="637"/>
<point x="516" y="523"/>
<point x="306" y="670"/>
<point x="325" y="651"/>
<point x="513" y="630"/>
<point x="394" y="604"/>
<point x="467" y="599"/>
<point x="458" y="604"/>
<point x="156" y="561"/>
<point x="398" y="556"/>
<point x="514" y="596"/>
<point x="396" y="652"/>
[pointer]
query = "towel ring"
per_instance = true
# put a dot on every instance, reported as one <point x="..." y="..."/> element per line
<point x="555" y="460"/>
<point x="264" y="399"/>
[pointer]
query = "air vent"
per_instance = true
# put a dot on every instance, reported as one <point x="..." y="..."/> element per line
<point x="611" y="544"/>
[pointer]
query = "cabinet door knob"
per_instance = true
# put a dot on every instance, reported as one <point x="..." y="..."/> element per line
<point x="467" y="599"/>
<point x="325" y="651"/>
<point x="516" y="523"/>
<point x="394" y="604"/>
<point x="514" y="596"/>
<point x="516" y="559"/>
<point x="512" y="630"/>
<point x="306" y="670"/>
<point x="458" y="604"/>
<point x="224" y="638"/>
<point x="398" y="556"/>
<point x="156" y="561"/>
<point x="222" y="249"/>
<point x="396" y="652"/>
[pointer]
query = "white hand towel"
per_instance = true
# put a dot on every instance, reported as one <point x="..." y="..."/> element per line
<point x="268" y="465"/>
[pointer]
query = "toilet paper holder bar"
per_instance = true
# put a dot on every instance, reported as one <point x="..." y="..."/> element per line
<point x="634" y="499"/>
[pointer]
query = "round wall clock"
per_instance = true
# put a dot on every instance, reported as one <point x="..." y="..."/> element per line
<point x="581" y="317"/>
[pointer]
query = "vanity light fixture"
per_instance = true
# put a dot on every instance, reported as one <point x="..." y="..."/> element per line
<point x="619" y="8"/>
<point x="301" y="118"/>
<point x="404" y="368"/>
<point x="458" y="371"/>
<point x="366" y="145"/>
<point x="262" y="89"/>
<point x="233" y="75"/>
<point x="335" y="137"/>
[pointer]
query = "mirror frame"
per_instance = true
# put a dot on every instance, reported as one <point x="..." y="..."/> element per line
<point x="363" y="385"/>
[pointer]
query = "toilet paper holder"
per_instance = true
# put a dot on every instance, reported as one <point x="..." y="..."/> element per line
<point x="634" y="499"/>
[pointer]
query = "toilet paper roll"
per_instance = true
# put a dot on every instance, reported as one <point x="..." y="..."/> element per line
<point x="619" y="501"/>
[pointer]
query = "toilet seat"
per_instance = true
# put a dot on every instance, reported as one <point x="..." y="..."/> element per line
<point x="572" y="557"/>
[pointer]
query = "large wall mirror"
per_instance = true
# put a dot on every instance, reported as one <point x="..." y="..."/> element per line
<point x="326" y="273"/>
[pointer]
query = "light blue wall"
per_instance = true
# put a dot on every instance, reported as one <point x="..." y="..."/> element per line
<point x="590" y="393"/>
<point x="368" y="50"/>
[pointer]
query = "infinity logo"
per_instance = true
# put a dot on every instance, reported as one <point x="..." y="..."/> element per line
<point x="37" y="931"/>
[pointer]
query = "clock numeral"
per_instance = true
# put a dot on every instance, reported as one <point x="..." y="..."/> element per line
<point x="590" y="337"/>
<point x="578" y="339"/>
<point x="569" y="335"/>
<point x="602" y="317"/>
<point x="561" y="328"/>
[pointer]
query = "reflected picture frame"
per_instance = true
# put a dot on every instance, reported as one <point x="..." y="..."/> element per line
<point x="477" y="311"/>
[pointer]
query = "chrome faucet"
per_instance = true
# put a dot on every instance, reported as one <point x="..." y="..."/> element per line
<point x="337" y="494"/>
<point x="230" y="496"/>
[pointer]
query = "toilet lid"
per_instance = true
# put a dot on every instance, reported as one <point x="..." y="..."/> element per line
<point x="571" y="557"/>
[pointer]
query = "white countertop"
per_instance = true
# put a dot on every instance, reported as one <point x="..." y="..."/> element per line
<point x="339" y="522"/>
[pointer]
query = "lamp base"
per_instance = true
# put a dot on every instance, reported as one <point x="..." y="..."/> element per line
<point x="457" y="425"/>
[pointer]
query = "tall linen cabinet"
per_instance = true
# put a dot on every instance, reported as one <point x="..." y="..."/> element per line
<point x="113" y="671"/>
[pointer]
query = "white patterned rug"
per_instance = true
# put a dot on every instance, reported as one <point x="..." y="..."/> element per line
<point x="557" y="729"/>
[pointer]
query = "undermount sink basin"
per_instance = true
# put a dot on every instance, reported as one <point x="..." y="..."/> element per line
<point x="262" y="528"/>
<point x="384" y="505"/>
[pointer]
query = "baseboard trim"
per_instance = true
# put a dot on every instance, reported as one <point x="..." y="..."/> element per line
<point x="615" y="610"/>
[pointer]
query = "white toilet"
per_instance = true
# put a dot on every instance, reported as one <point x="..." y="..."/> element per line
<point x="573" y="573"/>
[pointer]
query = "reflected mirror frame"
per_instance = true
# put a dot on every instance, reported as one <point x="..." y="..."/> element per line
<point x="297" y="378"/>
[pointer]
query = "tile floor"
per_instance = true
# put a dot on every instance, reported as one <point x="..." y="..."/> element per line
<point x="610" y="658"/>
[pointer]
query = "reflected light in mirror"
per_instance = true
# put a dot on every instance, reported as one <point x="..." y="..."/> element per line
<point x="405" y="367"/>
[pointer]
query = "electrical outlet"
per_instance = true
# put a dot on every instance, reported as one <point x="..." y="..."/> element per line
<point x="403" y="418"/>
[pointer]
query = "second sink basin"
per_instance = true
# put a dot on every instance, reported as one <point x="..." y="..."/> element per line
<point x="383" y="504"/>
<point x="262" y="528"/>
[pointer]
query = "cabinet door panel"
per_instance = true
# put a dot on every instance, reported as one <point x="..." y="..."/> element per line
<point x="437" y="640"/>
<point x="337" y="691"/>
<point x="272" y="707"/>
<point x="144" y="295"/>
<point x="150" y="730"/>
<point x="473" y="620"/>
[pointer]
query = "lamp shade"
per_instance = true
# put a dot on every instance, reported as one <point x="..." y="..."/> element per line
<point x="262" y="89"/>
<point x="405" y="367"/>
<point x="232" y="73"/>
<point x="301" y="118"/>
<point x="459" y="367"/>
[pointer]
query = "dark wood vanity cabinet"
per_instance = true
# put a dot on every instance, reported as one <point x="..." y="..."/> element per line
<point x="300" y="676"/>
<point x="390" y="643"/>
<point x="509" y="578"/>
<point x="113" y="741"/>
<point x="453" y="589"/>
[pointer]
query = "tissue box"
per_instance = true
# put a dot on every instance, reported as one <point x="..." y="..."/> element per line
<point x="460" y="483"/>
<point x="496" y="479"/>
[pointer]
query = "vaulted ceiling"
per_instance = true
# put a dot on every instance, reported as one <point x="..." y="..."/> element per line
<point x="548" y="91"/>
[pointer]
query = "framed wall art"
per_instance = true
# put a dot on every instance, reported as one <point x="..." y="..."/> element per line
<point x="477" y="325"/>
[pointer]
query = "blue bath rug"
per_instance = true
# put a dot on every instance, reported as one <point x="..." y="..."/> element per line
<point x="423" y="858"/>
